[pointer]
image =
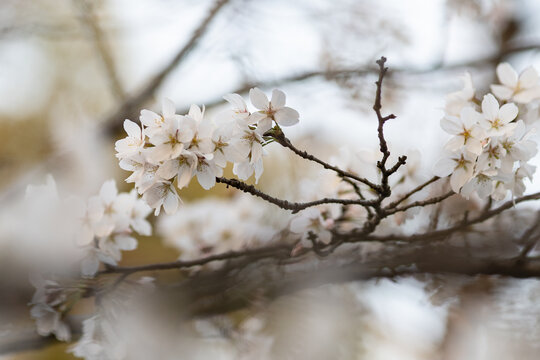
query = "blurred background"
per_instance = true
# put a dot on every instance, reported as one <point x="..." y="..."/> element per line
<point x="71" y="71"/>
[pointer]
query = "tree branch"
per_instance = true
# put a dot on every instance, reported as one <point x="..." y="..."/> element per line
<point x="287" y="205"/>
<point x="130" y="107"/>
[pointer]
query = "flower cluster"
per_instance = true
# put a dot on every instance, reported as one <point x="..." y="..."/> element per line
<point x="213" y="226"/>
<point x="168" y="147"/>
<point x="490" y="146"/>
<point x="107" y="223"/>
<point x="48" y="306"/>
<point x="86" y="232"/>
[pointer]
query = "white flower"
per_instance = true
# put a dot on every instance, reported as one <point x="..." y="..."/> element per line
<point x="201" y="128"/>
<point x="466" y="130"/>
<point x="46" y="304"/>
<point x="489" y="162"/>
<point x="458" y="100"/>
<point x="522" y="89"/>
<point x="153" y="122"/>
<point x="460" y="165"/>
<point x="311" y="220"/>
<point x="247" y="144"/>
<point x="271" y="110"/>
<point x="223" y="152"/>
<point x="481" y="183"/>
<point x="133" y="143"/>
<point x="169" y="141"/>
<point x="239" y="107"/>
<point x="517" y="147"/>
<point x="136" y="210"/>
<point x="207" y="170"/>
<point x="182" y="167"/>
<point x="245" y="169"/>
<point x="101" y="208"/>
<point x="164" y="194"/>
<point x="497" y="121"/>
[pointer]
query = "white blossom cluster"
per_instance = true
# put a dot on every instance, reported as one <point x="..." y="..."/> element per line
<point x="169" y="148"/>
<point x="490" y="148"/>
<point x="48" y="305"/>
<point x="92" y="231"/>
<point x="107" y="224"/>
<point x="213" y="226"/>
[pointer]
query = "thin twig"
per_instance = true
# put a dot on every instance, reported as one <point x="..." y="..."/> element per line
<point x="433" y="200"/>
<point x="136" y="101"/>
<point x="412" y="192"/>
<point x="283" y="141"/>
<point x="285" y="204"/>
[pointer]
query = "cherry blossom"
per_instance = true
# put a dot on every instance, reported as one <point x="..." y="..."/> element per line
<point x="466" y="130"/>
<point x="497" y="121"/>
<point x="521" y="89"/>
<point x="274" y="109"/>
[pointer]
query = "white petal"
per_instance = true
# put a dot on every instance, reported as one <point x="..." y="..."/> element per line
<point x="455" y="143"/>
<point x="264" y="125"/>
<point x="503" y="92"/>
<point x="168" y="108"/>
<point x="124" y="242"/>
<point x="258" y="99"/>
<point x="299" y="224"/>
<point x="256" y="117"/>
<point x="507" y="75"/>
<point x="236" y="101"/>
<point x="207" y="179"/>
<point x="526" y="96"/>
<point x="132" y="129"/>
<point x="286" y="116"/>
<point x="170" y="205"/>
<point x="278" y="99"/>
<point x="474" y="145"/>
<point x="490" y="107"/>
<point x="459" y="177"/>
<point x="168" y="169"/>
<point x="89" y="265"/>
<point x="528" y="78"/>
<point x="149" y="118"/>
<point x="195" y="112"/>
<point x="159" y="153"/>
<point x="450" y="125"/>
<point x="508" y="112"/>
<point x="142" y="227"/>
<point x="108" y="191"/>
<point x="444" y="167"/>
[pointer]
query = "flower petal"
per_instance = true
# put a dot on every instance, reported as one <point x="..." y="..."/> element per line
<point x="258" y="99"/>
<point x="508" y="112"/>
<point x="507" y="75"/>
<point x="528" y="78"/>
<point x="278" y="99"/>
<point x="168" y="108"/>
<point x="286" y="116"/>
<point x="502" y="92"/>
<point x="490" y="107"/>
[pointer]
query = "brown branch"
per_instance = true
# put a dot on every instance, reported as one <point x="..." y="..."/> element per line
<point x="280" y="138"/>
<point x="412" y="192"/>
<point x="89" y="20"/>
<point x="287" y="205"/>
<point x="529" y="241"/>
<point x="130" y="107"/>
<point x="431" y="201"/>
<point x="254" y="254"/>
<point x="438" y="234"/>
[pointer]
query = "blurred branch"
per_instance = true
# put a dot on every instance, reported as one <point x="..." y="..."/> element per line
<point x="130" y="107"/>
<point x="333" y="74"/>
<point x="89" y="20"/>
